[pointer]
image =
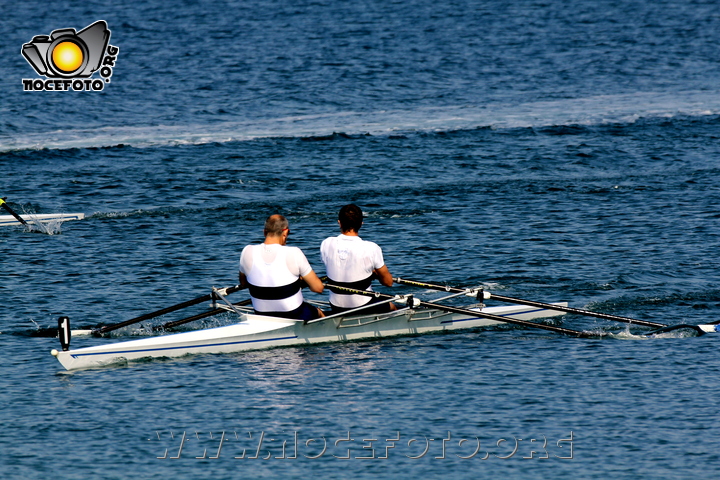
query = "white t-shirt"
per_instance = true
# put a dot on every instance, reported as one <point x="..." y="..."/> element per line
<point x="349" y="258"/>
<point x="274" y="265"/>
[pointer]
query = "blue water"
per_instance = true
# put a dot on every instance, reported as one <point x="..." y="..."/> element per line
<point x="556" y="151"/>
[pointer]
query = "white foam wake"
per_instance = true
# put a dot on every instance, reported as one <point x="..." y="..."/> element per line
<point x="595" y="110"/>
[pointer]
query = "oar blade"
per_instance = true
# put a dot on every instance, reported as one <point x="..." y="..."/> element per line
<point x="699" y="329"/>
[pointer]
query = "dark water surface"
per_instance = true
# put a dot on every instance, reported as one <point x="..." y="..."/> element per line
<point x="557" y="151"/>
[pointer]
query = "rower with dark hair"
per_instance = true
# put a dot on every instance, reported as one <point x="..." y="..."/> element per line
<point x="274" y="274"/>
<point x="353" y="262"/>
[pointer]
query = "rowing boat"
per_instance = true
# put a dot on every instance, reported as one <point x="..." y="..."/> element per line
<point x="8" y="220"/>
<point x="255" y="332"/>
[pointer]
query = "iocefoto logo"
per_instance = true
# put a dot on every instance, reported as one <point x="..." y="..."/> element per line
<point x="68" y="59"/>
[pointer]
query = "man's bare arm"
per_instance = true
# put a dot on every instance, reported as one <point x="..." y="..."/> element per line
<point x="384" y="276"/>
<point x="313" y="282"/>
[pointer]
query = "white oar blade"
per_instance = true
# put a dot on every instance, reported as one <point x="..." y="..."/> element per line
<point x="709" y="328"/>
<point x="81" y="332"/>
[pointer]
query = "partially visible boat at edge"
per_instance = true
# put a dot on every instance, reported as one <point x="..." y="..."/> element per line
<point x="8" y="220"/>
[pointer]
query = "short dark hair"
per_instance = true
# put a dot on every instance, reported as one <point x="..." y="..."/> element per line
<point x="275" y="224"/>
<point x="351" y="218"/>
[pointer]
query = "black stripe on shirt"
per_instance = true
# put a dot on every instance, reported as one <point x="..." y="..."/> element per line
<point x="275" y="293"/>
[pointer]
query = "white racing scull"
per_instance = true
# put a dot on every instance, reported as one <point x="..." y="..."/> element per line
<point x="9" y="220"/>
<point x="255" y="332"/>
<point x="15" y="219"/>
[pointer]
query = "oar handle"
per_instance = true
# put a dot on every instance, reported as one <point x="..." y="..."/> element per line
<point x="533" y="303"/>
<point x="4" y="204"/>
<point x="173" y="308"/>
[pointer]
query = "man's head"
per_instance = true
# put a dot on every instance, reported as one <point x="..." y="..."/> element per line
<point x="350" y="218"/>
<point x="276" y="226"/>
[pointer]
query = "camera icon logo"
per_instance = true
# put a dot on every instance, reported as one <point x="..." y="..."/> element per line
<point x="66" y="53"/>
<point x="66" y="56"/>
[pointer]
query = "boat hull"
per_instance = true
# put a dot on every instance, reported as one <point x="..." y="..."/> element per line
<point x="8" y="220"/>
<point x="256" y="332"/>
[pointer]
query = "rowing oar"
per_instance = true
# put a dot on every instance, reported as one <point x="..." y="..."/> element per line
<point x="4" y="204"/>
<point x="147" y="316"/>
<point x="465" y="311"/>
<point x="210" y="313"/>
<point x="199" y="316"/>
<point x="532" y="303"/>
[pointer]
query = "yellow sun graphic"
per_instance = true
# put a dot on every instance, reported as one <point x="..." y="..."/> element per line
<point x="67" y="56"/>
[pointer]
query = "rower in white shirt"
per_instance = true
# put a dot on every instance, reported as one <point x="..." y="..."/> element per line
<point x="274" y="274"/>
<point x="353" y="262"/>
